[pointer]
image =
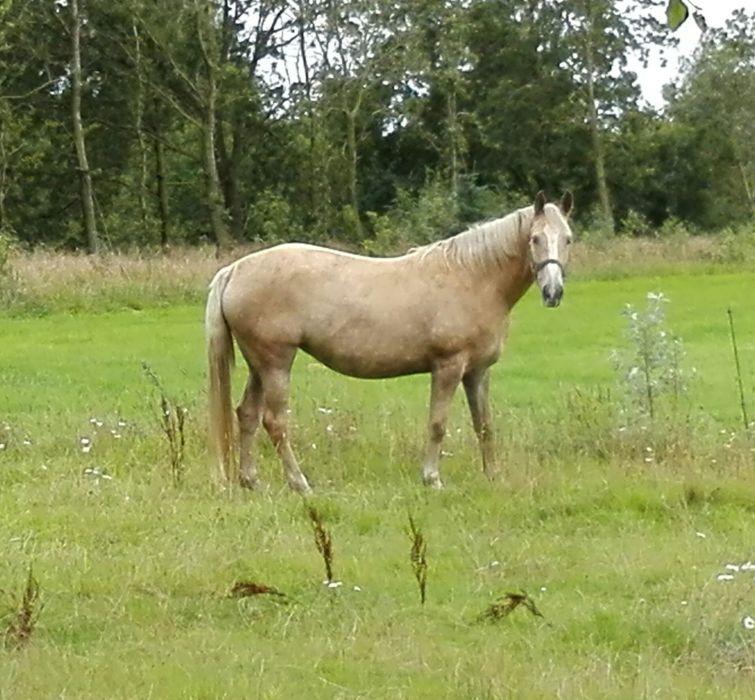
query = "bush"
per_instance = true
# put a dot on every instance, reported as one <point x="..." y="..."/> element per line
<point x="737" y="244"/>
<point x="431" y="215"/>
<point x="593" y="228"/>
<point x="649" y="368"/>
<point x="271" y="219"/>
<point x="635" y="224"/>
<point x="434" y="213"/>
<point x="673" y="228"/>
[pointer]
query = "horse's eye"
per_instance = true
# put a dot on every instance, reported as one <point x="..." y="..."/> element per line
<point x="536" y="240"/>
<point x="568" y="241"/>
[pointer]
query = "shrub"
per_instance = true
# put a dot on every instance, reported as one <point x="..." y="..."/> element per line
<point x="271" y="219"/>
<point x="737" y="244"/>
<point x="430" y="215"/>
<point x="673" y="228"/>
<point x="635" y="224"/>
<point x="649" y="367"/>
<point x="434" y="213"/>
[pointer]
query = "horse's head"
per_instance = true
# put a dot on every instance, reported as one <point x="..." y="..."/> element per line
<point x="550" y="237"/>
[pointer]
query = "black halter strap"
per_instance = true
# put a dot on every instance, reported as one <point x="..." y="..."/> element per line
<point x="539" y="266"/>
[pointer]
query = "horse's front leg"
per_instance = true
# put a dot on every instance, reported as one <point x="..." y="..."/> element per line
<point x="476" y="387"/>
<point x="445" y="379"/>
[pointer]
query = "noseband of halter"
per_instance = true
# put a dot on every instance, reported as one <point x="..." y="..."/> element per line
<point x="539" y="266"/>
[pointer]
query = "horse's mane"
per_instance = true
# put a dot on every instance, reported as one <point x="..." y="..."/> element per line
<point x="482" y="245"/>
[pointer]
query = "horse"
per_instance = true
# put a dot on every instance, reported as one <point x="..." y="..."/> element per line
<point x="441" y="308"/>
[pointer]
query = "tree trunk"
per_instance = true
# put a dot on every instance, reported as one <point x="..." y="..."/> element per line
<point x="161" y="189"/>
<point x="452" y="116"/>
<point x="228" y="170"/>
<point x="597" y="139"/>
<point x="213" y="190"/>
<point x="353" y="164"/>
<point x="234" y="191"/>
<point x="4" y="157"/>
<point x="85" y="176"/>
<point x="746" y="186"/>
<point x="139" y="108"/>
<point x="212" y="179"/>
<point x="311" y="179"/>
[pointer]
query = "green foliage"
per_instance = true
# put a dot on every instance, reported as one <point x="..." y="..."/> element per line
<point x="414" y="220"/>
<point x="271" y="219"/>
<point x="635" y="224"/>
<point x="676" y="13"/>
<point x="737" y="244"/>
<point x="473" y="100"/>
<point x="712" y="105"/>
<point x="8" y="279"/>
<point x="673" y="228"/>
<point x="434" y="213"/>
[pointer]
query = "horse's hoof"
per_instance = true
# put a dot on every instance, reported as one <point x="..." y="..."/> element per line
<point x="433" y="482"/>
<point x="301" y="487"/>
<point x="251" y="483"/>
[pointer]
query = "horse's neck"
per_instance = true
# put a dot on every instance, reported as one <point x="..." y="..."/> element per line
<point x="514" y="286"/>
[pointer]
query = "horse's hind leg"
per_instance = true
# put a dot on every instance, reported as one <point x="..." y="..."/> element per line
<point x="275" y="383"/>
<point x="445" y="379"/>
<point x="249" y="412"/>
<point x="476" y="386"/>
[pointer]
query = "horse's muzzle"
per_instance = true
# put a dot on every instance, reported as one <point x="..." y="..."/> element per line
<point x="552" y="295"/>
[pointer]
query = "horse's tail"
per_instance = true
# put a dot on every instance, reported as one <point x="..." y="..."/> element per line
<point x="220" y="361"/>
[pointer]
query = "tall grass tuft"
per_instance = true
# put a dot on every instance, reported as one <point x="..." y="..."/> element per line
<point x="323" y="541"/>
<point x="418" y="558"/>
<point x="24" y="619"/>
<point x="173" y="424"/>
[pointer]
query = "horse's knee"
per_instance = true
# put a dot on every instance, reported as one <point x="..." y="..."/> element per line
<point x="246" y="414"/>
<point x="274" y="426"/>
<point x="437" y="430"/>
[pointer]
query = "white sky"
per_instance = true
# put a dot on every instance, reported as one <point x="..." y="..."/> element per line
<point x="654" y="77"/>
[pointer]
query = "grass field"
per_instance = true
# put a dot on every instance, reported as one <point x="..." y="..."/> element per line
<point x="619" y="541"/>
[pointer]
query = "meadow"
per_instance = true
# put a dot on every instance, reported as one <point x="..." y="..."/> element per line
<point x="620" y="535"/>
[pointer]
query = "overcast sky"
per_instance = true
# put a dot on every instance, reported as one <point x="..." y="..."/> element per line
<point x="654" y="77"/>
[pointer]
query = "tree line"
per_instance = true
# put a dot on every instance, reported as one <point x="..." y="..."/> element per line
<point x="159" y="122"/>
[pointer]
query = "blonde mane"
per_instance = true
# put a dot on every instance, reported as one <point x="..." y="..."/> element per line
<point x="482" y="245"/>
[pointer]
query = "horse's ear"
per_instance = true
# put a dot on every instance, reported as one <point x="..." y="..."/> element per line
<point x="540" y="202"/>
<point x="567" y="203"/>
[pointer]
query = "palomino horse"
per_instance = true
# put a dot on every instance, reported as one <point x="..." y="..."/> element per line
<point x="442" y="309"/>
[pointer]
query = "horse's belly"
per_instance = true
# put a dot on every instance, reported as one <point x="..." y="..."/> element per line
<point x="375" y="362"/>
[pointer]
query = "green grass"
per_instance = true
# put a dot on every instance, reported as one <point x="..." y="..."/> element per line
<point x="134" y="573"/>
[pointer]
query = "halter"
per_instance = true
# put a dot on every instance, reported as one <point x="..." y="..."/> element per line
<point x="539" y="266"/>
